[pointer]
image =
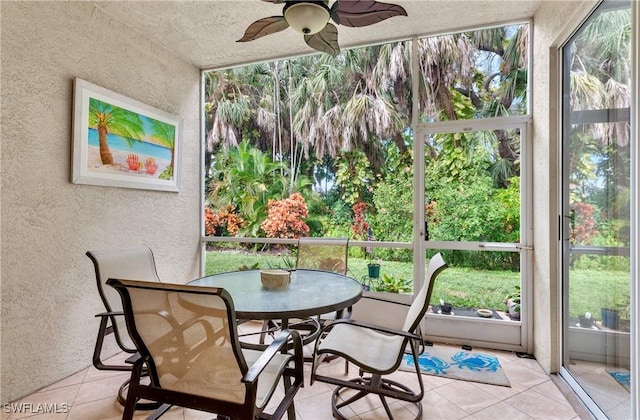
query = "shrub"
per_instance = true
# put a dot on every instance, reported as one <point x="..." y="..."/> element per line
<point x="222" y="222"/>
<point x="393" y="200"/>
<point x="360" y="227"/>
<point x="285" y="218"/>
<point x="584" y="225"/>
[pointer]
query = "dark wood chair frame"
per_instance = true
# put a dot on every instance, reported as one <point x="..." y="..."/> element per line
<point x="287" y="339"/>
<point x="375" y="383"/>
<point x="108" y="326"/>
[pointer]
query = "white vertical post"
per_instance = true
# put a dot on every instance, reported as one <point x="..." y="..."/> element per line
<point x="635" y="218"/>
<point x="418" y="174"/>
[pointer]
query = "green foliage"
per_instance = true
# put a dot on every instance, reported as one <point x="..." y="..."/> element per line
<point x="392" y="284"/>
<point x="515" y="299"/>
<point x="592" y="289"/>
<point x="246" y="178"/>
<point x="474" y="288"/>
<point x="315" y="227"/>
<point x="341" y="212"/>
<point x="244" y="267"/>
<point x="474" y="212"/>
<point x="167" y="174"/>
<point x="333" y="228"/>
<point x="393" y="200"/>
<point x="288" y="262"/>
<point x="354" y="176"/>
<point x="589" y="290"/>
<point x="115" y="120"/>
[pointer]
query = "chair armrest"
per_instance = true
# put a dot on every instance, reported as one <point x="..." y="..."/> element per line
<point x="133" y="358"/>
<point x="277" y="345"/>
<point x="385" y="330"/>
<point x="114" y="313"/>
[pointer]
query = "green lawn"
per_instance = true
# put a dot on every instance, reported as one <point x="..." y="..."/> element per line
<point x="590" y="289"/>
<point x="461" y="287"/>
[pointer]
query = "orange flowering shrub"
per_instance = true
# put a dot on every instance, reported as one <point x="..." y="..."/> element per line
<point x="285" y="218"/>
<point x="225" y="219"/>
<point x="585" y="223"/>
<point x="360" y="227"/>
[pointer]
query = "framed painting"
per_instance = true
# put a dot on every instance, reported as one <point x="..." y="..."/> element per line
<point x="120" y="142"/>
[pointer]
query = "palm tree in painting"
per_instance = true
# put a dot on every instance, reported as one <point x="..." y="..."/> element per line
<point x="165" y="135"/>
<point x="110" y="119"/>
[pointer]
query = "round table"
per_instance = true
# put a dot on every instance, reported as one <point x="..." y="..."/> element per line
<point x="309" y="293"/>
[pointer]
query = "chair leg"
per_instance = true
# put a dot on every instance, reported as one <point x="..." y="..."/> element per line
<point x="130" y="404"/>
<point x="122" y="398"/>
<point x="386" y="406"/>
<point x="390" y="388"/>
<point x="268" y="327"/>
<point x="159" y="412"/>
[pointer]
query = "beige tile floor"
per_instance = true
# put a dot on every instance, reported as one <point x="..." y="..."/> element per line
<point x="610" y="396"/>
<point x="90" y="395"/>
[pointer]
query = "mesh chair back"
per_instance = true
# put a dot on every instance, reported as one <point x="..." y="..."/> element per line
<point x="326" y="254"/>
<point x="198" y="355"/>
<point x="130" y="263"/>
<point x="421" y="301"/>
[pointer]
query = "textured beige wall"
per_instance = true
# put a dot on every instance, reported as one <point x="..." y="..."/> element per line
<point x="48" y="287"/>
<point x="553" y="24"/>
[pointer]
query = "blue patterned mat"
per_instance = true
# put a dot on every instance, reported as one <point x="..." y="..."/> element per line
<point x="454" y="363"/>
<point x="622" y="377"/>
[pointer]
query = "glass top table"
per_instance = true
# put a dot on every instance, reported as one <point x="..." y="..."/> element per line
<point x="309" y="293"/>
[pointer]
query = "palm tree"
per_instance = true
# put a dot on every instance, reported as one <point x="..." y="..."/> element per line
<point x="107" y="118"/>
<point x="474" y="75"/>
<point x="362" y="98"/>
<point x="165" y="134"/>
<point x="245" y="178"/>
<point x="600" y="70"/>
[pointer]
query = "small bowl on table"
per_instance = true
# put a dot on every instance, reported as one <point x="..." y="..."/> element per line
<point x="275" y="278"/>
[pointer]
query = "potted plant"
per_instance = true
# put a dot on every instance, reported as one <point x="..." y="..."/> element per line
<point x="613" y="310"/>
<point x="392" y="284"/>
<point x="445" y="307"/>
<point x="512" y="300"/>
<point x="373" y="267"/>
<point x="586" y="321"/>
<point x="610" y="318"/>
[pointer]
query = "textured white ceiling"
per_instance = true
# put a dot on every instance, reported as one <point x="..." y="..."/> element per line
<point x="204" y="33"/>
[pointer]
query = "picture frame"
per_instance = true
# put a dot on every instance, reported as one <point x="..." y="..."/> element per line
<point x="120" y="142"/>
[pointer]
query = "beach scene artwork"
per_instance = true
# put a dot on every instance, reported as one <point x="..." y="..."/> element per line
<point x="121" y="142"/>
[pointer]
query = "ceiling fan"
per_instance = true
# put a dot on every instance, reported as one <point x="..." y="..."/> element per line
<point x="311" y="18"/>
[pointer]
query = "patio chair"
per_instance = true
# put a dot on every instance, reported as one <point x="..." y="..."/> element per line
<point x="199" y="363"/>
<point x="324" y="254"/>
<point x="131" y="262"/>
<point x="377" y="351"/>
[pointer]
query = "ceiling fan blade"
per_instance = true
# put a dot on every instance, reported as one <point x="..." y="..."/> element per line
<point x="264" y="26"/>
<point x="325" y="41"/>
<point x="356" y="13"/>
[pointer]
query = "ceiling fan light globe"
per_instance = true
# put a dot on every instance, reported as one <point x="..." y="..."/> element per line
<point x="306" y="17"/>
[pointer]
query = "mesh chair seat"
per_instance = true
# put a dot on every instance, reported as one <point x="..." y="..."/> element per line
<point x="187" y="337"/>
<point x="223" y="384"/>
<point x="377" y="351"/>
<point x="325" y="254"/>
<point x="128" y="262"/>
